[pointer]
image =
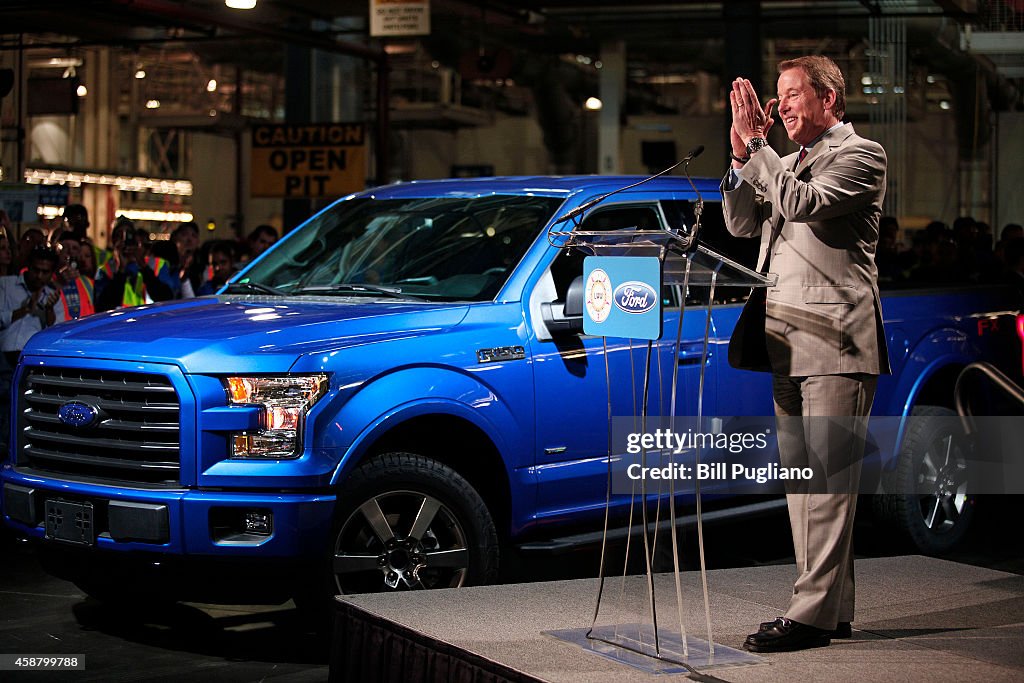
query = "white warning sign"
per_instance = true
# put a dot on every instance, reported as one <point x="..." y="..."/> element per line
<point x="399" y="18"/>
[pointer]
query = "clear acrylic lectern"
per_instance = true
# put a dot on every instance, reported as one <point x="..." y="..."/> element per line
<point x="685" y="263"/>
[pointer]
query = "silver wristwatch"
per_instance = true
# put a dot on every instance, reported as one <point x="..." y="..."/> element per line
<point x="755" y="144"/>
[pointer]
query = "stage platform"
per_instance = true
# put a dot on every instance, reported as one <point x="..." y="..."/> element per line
<point x="918" y="618"/>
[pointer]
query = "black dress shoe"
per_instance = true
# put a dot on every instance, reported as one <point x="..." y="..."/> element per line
<point x="842" y="630"/>
<point x="786" y="635"/>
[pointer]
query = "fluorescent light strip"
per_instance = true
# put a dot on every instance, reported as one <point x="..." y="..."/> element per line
<point x="125" y="183"/>
<point x="156" y="216"/>
<point x="49" y="212"/>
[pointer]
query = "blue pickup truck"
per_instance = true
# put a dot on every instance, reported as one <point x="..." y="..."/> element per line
<point x="399" y="389"/>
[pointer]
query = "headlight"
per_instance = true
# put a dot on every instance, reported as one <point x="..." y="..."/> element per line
<point x="285" y="402"/>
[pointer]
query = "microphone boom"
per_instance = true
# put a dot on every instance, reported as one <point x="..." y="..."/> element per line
<point x="694" y="153"/>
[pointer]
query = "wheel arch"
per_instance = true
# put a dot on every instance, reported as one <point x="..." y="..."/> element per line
<point x="460" y="444"/>
<point x="445" y="431"/>
<point x="933" y="386"/>
<point x="929" y="375"/>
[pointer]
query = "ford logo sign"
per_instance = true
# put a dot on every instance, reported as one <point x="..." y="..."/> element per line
<point x="635" y="297"/>
<point x="77" y="414"/>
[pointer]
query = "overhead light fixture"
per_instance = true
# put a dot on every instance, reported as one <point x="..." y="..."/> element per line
<point x="152" y="104"/>
<point x="46" y="176"/>
<point x="211" y="86"/>
<point x="157" y="216"/>
<point x="240" y="4"/>
<point x="54" y="62"/>
<point x="82" y="91"/>
<point x="593" y="104"/>
<point x="140" y="73"/>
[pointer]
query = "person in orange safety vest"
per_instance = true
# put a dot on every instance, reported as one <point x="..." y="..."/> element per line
<point x="76" y="290"/>
<point x="127" y="279"/>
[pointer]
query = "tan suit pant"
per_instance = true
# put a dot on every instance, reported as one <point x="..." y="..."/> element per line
<point x="822" y="421"/>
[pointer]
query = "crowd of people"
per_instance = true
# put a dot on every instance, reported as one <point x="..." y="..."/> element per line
<point x="63" y="275"/>
<point x="966" y="253"/>
<point x="49" y="278"/>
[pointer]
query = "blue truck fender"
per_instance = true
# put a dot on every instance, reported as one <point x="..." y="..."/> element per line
<point x="941" y="348"/>
<point x="421" y="391"/>
<point x="937" y="351"/>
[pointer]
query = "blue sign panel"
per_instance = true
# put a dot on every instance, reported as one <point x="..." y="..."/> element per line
<point x="53" y="195"/>
<point x="622" y="296"/>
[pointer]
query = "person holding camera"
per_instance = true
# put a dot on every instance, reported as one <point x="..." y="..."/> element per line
<point x="27" y="302"/>
<point x="76" y="288"/>
<point x="222" y="267"/>
<point x="26" y="306"/>
<point x="126" y="279"/>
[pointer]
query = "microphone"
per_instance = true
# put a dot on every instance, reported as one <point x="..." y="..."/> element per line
<point x="585" y="206"/>
<point x="690" y="241"/>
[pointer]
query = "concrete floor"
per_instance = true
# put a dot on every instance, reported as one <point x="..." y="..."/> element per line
<point x="43" y="615"/>
<point x="183" y="642"/>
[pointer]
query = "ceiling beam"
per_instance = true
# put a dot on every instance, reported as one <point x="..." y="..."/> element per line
<point x="174" y="11"/>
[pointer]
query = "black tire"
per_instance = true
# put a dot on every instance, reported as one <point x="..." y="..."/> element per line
<point x="454" y="543"/>
<point x="933" y="516"/>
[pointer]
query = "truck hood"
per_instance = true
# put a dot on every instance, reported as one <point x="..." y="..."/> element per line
<point x="242" y="333"/>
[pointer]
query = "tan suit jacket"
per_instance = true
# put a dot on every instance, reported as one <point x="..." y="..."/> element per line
<point x="820" y="221"/>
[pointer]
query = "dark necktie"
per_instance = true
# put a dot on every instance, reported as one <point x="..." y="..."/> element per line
<point x="803" y="155"/>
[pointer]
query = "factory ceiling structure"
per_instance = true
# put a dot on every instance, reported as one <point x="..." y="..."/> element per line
<point x="207" y="65"/>
<point x="663" y="39"/>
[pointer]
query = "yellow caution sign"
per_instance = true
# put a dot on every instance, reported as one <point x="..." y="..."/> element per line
<point x="306" y="161"/>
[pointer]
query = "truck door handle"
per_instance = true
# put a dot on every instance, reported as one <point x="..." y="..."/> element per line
<point x="690" y="354"/>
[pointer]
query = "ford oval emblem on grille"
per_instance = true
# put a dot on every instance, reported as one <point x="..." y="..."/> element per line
<point x="635" y="297"/>
<point x="77" y="414"/>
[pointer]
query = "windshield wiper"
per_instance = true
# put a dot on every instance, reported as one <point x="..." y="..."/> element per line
<point x="357" y="288"/>
<point x="256" y="287"/>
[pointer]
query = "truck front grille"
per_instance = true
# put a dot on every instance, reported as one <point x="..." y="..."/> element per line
<point x="131" y="430"/>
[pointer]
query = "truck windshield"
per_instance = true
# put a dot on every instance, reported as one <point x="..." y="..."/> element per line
<point x="445" y="249"/>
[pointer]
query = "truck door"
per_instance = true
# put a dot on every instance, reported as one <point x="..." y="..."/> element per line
<point x="572" y="396"/>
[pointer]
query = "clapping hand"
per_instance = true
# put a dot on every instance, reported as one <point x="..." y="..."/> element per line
<point x="749" y="120"/>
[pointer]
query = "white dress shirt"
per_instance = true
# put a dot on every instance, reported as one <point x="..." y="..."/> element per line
<point x="13" y="295"/>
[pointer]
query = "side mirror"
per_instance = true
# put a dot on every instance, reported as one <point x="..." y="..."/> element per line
<point x="565" y="317"/>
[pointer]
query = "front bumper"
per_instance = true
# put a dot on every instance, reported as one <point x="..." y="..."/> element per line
<point x="181" y="522"/>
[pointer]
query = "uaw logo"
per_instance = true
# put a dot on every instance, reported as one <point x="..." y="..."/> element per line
<point x="597" y="295"/>
<point x="78" y="414"/>
<point x="635" y="297"/>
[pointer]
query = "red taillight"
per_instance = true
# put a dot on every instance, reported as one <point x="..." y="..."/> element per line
<point x="1020" y="337"/>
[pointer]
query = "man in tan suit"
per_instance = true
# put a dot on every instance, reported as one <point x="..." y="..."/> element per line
<point x="819" y="330"/>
